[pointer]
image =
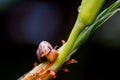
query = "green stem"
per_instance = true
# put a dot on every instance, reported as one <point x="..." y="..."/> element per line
<point x="72" y="38"/>
<point x="63" y="56"/>
<point x="85" y="17"/>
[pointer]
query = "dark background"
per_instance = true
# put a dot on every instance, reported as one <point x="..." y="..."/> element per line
<point x="25" y="23"/>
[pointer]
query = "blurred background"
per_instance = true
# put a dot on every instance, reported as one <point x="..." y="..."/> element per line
<point x="25" y="23"/>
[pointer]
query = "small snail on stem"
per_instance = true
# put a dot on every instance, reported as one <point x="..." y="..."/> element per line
<point x="46" y="52"/>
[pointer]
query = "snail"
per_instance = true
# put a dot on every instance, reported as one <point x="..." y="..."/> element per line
<point x="46" y="52"/>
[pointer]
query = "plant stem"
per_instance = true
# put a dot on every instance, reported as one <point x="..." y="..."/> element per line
<point x="82" y="21"/>
<point x="63" y="56"/>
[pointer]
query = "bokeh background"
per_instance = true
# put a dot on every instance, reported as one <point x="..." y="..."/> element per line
<point x="25" y="23"/>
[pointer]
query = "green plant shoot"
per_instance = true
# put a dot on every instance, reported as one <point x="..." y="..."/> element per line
<point x="88" y="20"/>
